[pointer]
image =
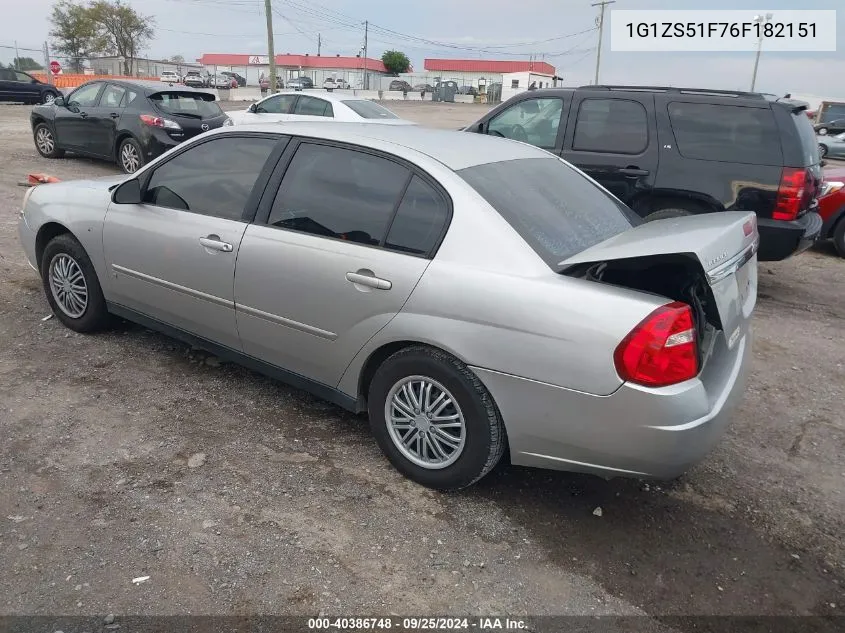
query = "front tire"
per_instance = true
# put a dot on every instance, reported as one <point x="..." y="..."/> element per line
<point x="839" y="237"/>
<point x="45" y="142"/>
<point x="71" y="285"/>
<point x="434" y="419"/>
<point x="822" y="150"/>
<point x="130" y="158"/>
<point x="822" y="131"/>
<point x="48" y="97"/>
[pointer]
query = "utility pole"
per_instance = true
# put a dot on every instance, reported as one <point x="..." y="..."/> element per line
<point x="366" y="74"/>
<point x="50" y="79"/>
<point x="17" y="57"/>
<point x="601" y="6"/>
<point x="268" y="10"/>
<point x="319" y="43"/>
<point x="760" y="20"/>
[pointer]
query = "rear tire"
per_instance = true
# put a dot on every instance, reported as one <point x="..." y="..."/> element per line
<point x="45" y="142"/>
<point x="130" y="158"/>
<point x="839" y="236"/>
<point x="48" y="97"/>
<point x="454" y="452"/>
<point x="822" y="150"/>
<point x="71" y="285"/>
<point x="822" y="131"/>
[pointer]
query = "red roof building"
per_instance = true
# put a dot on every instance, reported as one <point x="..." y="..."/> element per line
<point x="496" y="66"/>
<point x="294" y="61"/>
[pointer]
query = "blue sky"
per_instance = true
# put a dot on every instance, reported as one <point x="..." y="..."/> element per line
<point x="501" y="29"/>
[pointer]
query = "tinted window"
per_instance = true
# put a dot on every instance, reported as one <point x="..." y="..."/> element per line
<point x="112" y="96"/>
<point x="23" y="77"/>
<point x="341" y="193"/>
<point x="7" y="75"/>
<point x="313" y="107"/>
<point x="556" y="209"/>
<point x="128" y="98"/>
<point x="534" y="121"/>
<point x="734" y="134"/>
<point x="832" y="112"/>
<point x="369" y="110"/>
<point x="86" y="96"/>
<point x="615" y="126"/>
<point x="809" y="145"/>
<point x="279" y="104"/>
<point x="419" y="221"/>
<point x="213" y="178"/>
<point x="187" y="104"/>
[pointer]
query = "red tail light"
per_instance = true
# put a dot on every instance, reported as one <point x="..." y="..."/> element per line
<point x="157" y="121"/>
<point x="662" y="350"/>
<point x="793" y="192"/>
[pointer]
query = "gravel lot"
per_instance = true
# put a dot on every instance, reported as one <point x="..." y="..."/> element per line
<point x="127" y="454"/>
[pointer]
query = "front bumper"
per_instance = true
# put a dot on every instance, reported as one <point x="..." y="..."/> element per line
<point x="780" y="239"/>
<point x="634" y="432"/>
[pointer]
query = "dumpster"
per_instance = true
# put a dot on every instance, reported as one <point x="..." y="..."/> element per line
<point x="445" y="91"/>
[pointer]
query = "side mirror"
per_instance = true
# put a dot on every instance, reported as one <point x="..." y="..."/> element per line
<point x="59" y="101"/>
<point x="253" y="108"/>
<point x="128" y="193"/>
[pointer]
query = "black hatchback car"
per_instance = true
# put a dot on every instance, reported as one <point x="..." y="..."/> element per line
<point x="24" y="88"/>
<point x="670" y="152"/>
<point x="130" y="122"/>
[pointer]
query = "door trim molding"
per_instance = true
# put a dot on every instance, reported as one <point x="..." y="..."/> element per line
<point x="156" y="281"/>
<point x="296" y="325"/>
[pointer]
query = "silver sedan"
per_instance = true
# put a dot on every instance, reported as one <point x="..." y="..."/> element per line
<point x="832" y="146"/>
<point x="473" y="295"/>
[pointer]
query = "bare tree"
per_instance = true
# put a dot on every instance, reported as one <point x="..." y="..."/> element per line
<point x="126" y="31"/>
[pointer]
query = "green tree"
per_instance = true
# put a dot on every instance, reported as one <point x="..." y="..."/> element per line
<point x="177" y="59"/>
<point x="75" y="34"/>
<point x="396" y="62"/>
<point x="125" y="31"/>
<point x="27" y="63"/>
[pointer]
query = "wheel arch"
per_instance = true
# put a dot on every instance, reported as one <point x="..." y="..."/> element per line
<point x="47" y="232"/>
<point x="122" y="136"/>
<point x="653" y="201"/>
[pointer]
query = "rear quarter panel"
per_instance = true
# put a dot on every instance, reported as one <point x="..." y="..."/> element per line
<point x="489" y="300"/>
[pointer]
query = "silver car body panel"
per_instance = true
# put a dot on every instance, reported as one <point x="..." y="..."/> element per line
<point x="540" y="341"/>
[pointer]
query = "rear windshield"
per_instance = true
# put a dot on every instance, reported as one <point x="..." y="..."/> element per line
<point x="190" y="104"/>
<point x="807" y="135"/>
<point x="369" y="110"/>
<point x="555" y="208"/>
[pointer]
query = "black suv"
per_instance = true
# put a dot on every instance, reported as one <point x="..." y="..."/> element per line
<point x="670" y="152"/>
<point x="19" y="86"/>
<point x="130" y="122"/>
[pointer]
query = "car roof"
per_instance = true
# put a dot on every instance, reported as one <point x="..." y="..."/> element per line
<point x="457" y="150"/>
<point x="149" y="87"/>
<point x="320" y="94"/>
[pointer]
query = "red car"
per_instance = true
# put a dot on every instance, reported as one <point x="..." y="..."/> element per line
<point x="832" y="207"/>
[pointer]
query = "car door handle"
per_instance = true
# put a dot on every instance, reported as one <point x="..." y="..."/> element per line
<point x="214" y="243"/>
<point x="633" y="171"/>
<point x="84" y="115"/>
<point x="114" y="115"/>
<point x="371" y="281"/>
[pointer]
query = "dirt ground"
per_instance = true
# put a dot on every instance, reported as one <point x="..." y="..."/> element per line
<point x="127" y="454"/>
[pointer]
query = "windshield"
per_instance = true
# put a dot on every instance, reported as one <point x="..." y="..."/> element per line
<point x="554" y="207"/>
<point x="190" y="104"/>
<point x="369" y="110"/>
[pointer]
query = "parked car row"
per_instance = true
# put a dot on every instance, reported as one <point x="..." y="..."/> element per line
<point x="195" y="79"/>
<point x="317" y="105"/>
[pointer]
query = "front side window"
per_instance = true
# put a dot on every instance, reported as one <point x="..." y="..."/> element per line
<point x="279" y="104"/>
<point x="213" y="178"/>
<point x="85" y="96"/>
<point x="338" y="193"/>
<point x="313" y="107"/>
<point x="555" y="208"/>
<point x="112" y="96"/>
<point x="734" y="134"/>
<point x="534" y="121"/>
<point x="615" y="126"/>
<point x="419" y="221"/>
<point x="23" y="77"/>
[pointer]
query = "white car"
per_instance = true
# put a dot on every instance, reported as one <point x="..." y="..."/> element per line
<point x="169" y="76"/>
<point x="315" y="105"/>
<point x="332" y="84"/>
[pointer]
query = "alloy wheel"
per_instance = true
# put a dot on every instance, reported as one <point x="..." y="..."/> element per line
<point x="67" y="283"/>
<point x="129" y="158"/>
<point x="49" y="98"/>
<point x="822" y="150"/>
<point x="44" y="140"/>
<point x="425" y="422"/>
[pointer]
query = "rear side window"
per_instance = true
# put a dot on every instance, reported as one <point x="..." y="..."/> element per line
<point x="807" y="135"/>
<point x="616" y="126"/>
<point x="369" y="110"/>
<point x="213" y="178"/>
<point x="556" y="209"/>
<point x="189" y="104"/>
<point x="420" y="220"/>
<point x="733" y="134"/>
<point x="112" y="96"/>
<point x="339" y="193"/>
<point x="313" y="107"/>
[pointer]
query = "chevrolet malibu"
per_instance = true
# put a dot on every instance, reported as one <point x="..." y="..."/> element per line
<point x="475" y="296"/>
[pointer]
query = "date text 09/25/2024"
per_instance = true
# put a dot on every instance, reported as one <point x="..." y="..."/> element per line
<point x="721" y="29"/>
<point x="417" y="624"/>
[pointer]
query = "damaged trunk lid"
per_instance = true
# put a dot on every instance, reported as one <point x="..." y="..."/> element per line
<point x="722" y="245"/>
